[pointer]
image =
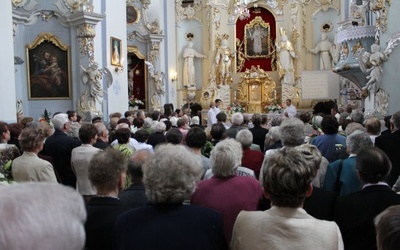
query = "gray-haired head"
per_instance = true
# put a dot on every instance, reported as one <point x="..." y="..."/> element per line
<point x="237" y="119"/>
<point x="136" y="162"/>
<point x="73" y="130"/>
<point x="147" y="122"/>
<point x="387" y="226"/>
<point x="101" y="129"/>
<point x="59" y="121"/>
<point x="287" y="177"/>
<point x="292" y="132"/>
<point x="395" y="120"/>
<point x="195" y="120"/>
<point x="245" y="137"/>
<point x="160" y="127"/>
<point x="357" y="141"/>
<point x="106" y="168"/>
<point x="44" y="203"/>
<point x="353" y="126"/>
<point x="312" y="155"/>
<point x="180" y="170"/>
<point x="226" y="157"/>
<point x="357" y="116"/>
<point x="32" y="138"/>
<point x="173" y="120"/>
<point x="272" y="136"/>
<point x="277" y="120"/>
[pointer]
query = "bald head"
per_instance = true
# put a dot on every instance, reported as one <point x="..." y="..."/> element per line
<point x="136" y="162"/>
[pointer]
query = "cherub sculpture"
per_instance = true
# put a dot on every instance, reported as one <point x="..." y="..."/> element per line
<point x="371" y="63"/>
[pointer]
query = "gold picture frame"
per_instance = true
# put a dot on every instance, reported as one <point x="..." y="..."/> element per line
<point x="48" y="68"/>
<point x="257" y="39"/>
<point x="116" y="51"/>
<point x="132" y="15"/>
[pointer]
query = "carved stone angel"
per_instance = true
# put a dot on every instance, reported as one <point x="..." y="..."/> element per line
<point x="158" y="78"/>
<point x="371" y="63"/>
<point x="93" y="76"/>
<point x="323" y="4"/>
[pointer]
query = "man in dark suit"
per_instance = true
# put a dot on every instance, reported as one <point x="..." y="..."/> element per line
<point x="59" y="146"/>
<point x="107" y="172"/>
<point x="102" y="136"/>
<point x="258" y="131"/>
<point x="135" y="196"/>
<point x="389" y="143"/>
<point x="355" y="213"/>
<point x="167" y="223"/>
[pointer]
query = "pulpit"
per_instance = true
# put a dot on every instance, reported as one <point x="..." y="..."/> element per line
<point x="257" y="89"/>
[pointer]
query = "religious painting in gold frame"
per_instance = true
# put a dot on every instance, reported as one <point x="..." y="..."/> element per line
<point x="132" y="15"/>
<point x="116" y="50"/>
<point x="257" y="39"/>
<point x="48" y="68"/>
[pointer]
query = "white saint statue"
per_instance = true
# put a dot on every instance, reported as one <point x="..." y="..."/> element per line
<point x="223" y="62"/>
<point x="188" y="67"/>
<point x="324" y="48"/>
<point x="286" y="58"/>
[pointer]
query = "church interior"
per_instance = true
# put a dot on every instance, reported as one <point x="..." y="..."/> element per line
<point x="221" y="145"/>
<point x="97" y="56"/>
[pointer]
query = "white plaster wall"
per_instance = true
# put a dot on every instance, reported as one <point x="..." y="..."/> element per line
<point x="391" y="69"/>
<point x="171" y="57"/>
<point x="7" y="83"/>
<point x="114" y="25"/>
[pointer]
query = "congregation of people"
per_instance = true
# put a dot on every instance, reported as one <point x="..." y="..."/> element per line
<point x="321" y="179"/>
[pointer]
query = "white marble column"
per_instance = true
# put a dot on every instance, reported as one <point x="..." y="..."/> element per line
<point x="7" y="69"/>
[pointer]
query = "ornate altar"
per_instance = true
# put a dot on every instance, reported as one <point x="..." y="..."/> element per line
<point x="256" y="88"/>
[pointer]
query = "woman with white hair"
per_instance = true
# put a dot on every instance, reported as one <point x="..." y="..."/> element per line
<point x="252" y="159"/>
<point x="170" y="177"/>
<point x="158" y="136"/>
<point x="225" y="191"/>
<point x="41" y="215"/>
<point x="237" y="122"/>
<point x="272" y="139"/>
<point x="341" y="176"/>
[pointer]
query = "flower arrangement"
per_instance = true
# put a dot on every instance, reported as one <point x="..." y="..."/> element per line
<point x="134" y="102"/>
<point x="46" y="117"/>
<point x="273" y="107"/>
<point x="237" y="106"/>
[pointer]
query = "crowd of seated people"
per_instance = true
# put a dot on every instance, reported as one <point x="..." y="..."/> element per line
<point x="151" y="181"/>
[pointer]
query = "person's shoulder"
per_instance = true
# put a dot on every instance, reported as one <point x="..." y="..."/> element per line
<point x="340" y="136"/>
<point x="247" y="216"/>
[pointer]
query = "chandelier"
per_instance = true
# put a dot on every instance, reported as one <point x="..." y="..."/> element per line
<point x="241" y="10"/>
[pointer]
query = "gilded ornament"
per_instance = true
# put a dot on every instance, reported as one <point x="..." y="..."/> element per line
<point x="19" y="3"/>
